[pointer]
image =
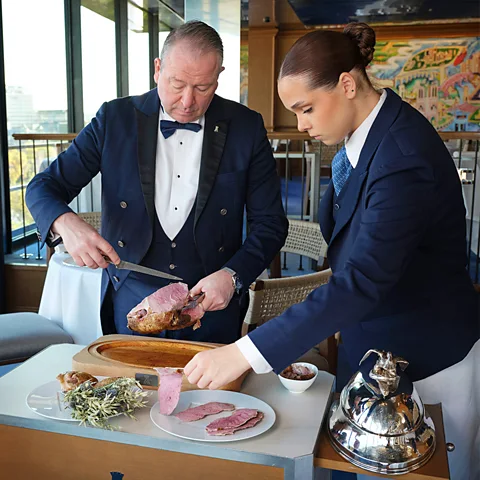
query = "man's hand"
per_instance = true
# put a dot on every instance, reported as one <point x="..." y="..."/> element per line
<point x="83" y="242"/>
<point x="215" y="368"/>
<point x="218" y="289"/>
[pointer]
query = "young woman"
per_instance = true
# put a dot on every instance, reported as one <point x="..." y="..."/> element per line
<point x="394" y="219"/>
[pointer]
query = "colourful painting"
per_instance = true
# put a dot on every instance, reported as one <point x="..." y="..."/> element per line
<point x="439" y="77"/>
<point x="244" y="74"/>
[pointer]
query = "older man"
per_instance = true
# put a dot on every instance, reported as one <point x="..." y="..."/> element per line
<point x="179" y="165"/>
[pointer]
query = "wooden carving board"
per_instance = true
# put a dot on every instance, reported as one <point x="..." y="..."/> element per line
<point x="132" y="356"/>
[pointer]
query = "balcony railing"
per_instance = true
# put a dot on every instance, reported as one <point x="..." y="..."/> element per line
<point x="33" y="154"/>
<point x="303" y="165"/>
<point x="293" y="151"/>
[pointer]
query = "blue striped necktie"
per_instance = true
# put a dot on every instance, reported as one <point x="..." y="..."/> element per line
<point x="341" y="169"/>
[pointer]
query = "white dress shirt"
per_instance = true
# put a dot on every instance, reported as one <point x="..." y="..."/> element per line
<point x="353" y="145"/>
<point x="176" y="175"/>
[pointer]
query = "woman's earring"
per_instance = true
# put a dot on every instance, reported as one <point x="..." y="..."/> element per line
<point x="353" y="90"/>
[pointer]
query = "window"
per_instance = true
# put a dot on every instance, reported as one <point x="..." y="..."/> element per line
<point x="138" y="51"/>
<point x="98" y="55"/>
<point x="36" y="91"/>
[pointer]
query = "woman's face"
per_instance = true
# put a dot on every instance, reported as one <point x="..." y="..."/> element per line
<point x="325" y="114"/>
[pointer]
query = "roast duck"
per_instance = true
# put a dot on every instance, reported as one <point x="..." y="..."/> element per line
<point x="169" y="308"/>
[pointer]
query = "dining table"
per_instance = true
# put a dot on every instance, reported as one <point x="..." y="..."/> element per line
<point x="37" y="447"/>
<point x="296" y="447"/>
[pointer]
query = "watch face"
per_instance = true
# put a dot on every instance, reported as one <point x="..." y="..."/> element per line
<point x="238" y="283"/>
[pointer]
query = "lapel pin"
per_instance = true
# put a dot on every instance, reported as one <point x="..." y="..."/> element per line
<point x="216" y="128"/>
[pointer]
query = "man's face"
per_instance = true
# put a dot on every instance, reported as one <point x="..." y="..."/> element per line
<point x="186" y="81"/>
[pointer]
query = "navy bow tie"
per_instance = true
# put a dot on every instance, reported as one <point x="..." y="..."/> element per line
<point x="168" y="127"/>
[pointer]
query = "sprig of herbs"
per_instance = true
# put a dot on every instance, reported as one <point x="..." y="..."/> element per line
<point x="95" y="406"/>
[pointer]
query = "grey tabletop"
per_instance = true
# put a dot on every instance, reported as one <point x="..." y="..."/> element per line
<point x="298" y="416"/>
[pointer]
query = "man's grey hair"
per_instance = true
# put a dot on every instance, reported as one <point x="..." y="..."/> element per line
<point x="203" y="38"/>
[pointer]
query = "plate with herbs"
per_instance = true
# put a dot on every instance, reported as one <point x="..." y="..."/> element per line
<point x="88" y="404"/>
<point x="47" y="400"/>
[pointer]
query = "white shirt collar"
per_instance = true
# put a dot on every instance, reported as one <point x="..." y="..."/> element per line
<point x="356" y="141"/>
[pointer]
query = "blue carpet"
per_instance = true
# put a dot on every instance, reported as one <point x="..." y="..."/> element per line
<point x="293" y="188"/>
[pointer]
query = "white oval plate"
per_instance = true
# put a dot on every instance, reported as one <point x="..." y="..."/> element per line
<point x="196" y="430"/>
<point x="47" y="400"/>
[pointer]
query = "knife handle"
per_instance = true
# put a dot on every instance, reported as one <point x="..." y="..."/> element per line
<point x="107" y="259"/>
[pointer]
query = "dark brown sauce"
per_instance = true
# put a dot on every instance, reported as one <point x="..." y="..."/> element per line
<point x="292" y="374"/>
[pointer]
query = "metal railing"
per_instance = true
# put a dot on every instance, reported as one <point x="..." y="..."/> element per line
<point x="296" y="147"/>
<point x="33" y="153"/>
<point x="303" y="165"/>
<point x="464" y="148"/>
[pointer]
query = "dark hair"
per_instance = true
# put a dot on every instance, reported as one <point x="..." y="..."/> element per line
<point x="323" y="55"/>
<point x="202" y="37"/>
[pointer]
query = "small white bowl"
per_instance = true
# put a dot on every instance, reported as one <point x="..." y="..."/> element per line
<point x="299" y="386"/>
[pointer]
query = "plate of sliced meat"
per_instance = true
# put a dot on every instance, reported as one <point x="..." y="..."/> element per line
<point x="215" y="416"/>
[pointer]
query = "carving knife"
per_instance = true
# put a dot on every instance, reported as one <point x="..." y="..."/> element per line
<point x="141" y="269"/>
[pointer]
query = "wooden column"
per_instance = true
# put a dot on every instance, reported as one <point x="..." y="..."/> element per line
<point x="262" y="30"/>
<point x="261" y="72"/>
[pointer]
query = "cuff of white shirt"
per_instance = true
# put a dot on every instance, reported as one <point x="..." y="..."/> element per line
<point x="253" y="356"/>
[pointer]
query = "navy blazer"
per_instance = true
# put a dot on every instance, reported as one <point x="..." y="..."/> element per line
<point x="237" y="171"/>
<point x="397" y="248"/>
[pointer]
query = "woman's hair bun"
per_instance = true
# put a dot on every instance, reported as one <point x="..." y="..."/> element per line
<point x="364" y="36"/>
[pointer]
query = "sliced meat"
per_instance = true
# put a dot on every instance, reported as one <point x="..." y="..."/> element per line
<point x="164" y="310"/>
<point x="201" y="411"/>
<point x="170" y="386"/>
<point x="230" y="431"/>
<point x="238" y="418"/>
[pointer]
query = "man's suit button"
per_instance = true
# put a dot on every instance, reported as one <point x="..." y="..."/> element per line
<point x="221" y="249"/>
<point x="223" y="211"/>
<point x="171" y="266"/>
<point x="174" y="245"/>
<point x="116" y="278"/>
<point x="120" y="244"/>
<point x="336" y="206"/>
<point x="123" y="204"/>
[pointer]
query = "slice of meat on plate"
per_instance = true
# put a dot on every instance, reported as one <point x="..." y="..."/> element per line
<point x="201" y="411"/>
<point x="232" y="422"/>
<point x="230" y="431"/>
<point x="170" y="385"/>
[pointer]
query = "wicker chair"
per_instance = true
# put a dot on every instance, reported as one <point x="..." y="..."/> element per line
<point x="92" y="218"/>
<point x="271" y="297"/>
<point x="304" y="238"/>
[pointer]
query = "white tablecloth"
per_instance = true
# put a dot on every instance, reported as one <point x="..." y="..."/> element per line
<point x="71" y="298"/>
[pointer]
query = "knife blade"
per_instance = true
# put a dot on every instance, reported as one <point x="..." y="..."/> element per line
<point x="141" y="269"/>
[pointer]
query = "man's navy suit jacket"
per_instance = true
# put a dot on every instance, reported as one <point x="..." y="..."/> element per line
<point x="237" y="171"/>
<point x="397" y="248"/>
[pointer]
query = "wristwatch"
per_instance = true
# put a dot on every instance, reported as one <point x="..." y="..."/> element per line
<point x="237" y="283"/>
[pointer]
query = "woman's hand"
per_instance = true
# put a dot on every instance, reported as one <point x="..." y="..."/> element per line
<point x="215" y="368"/>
